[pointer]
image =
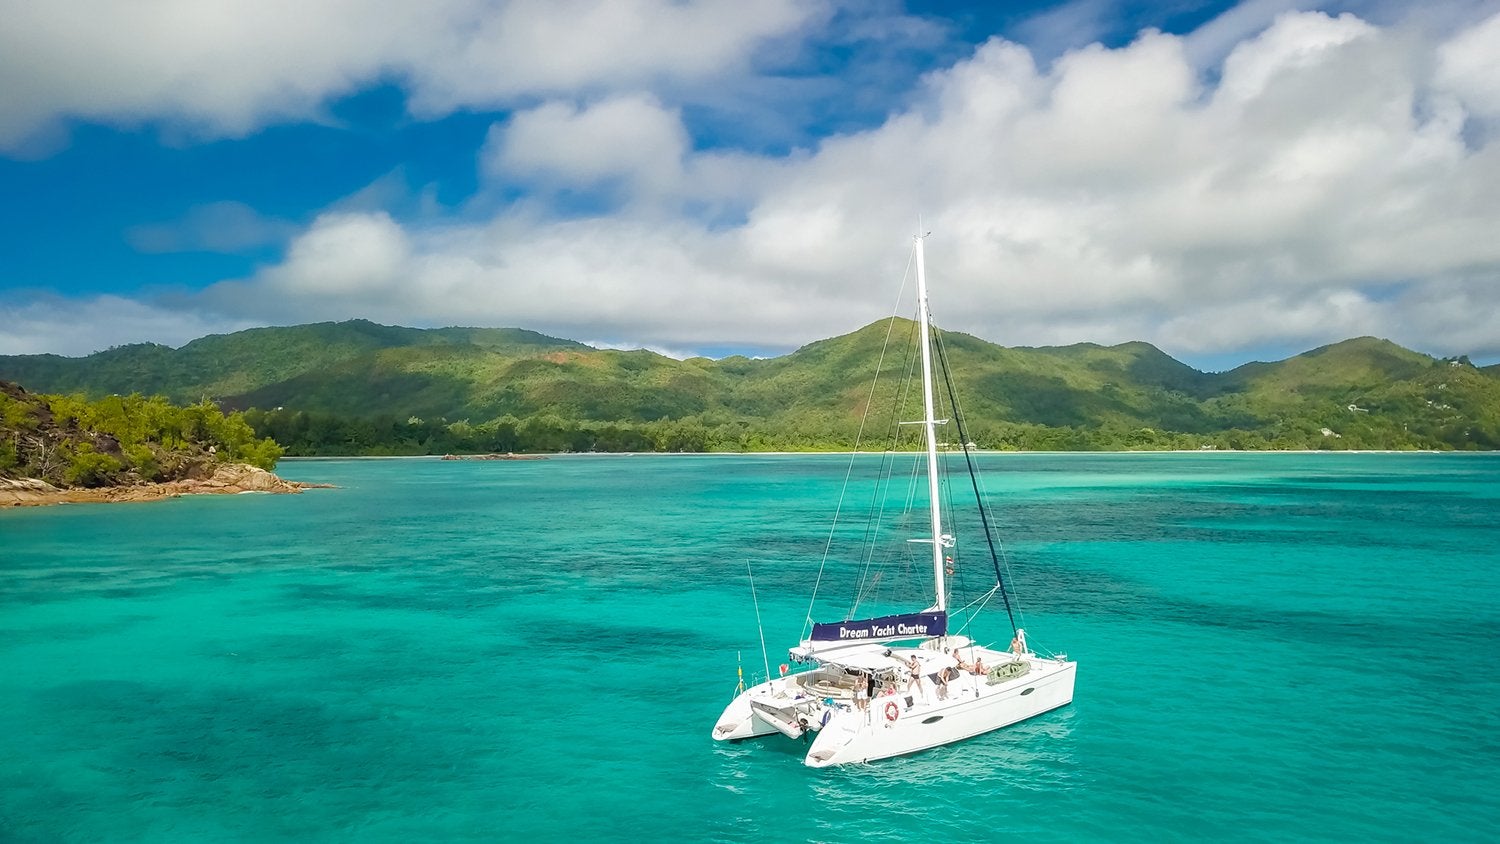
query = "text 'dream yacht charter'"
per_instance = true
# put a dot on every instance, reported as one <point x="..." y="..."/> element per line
<point x="871" y="688"/>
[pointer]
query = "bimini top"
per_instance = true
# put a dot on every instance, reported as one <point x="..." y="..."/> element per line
<point x="872" y="657"/>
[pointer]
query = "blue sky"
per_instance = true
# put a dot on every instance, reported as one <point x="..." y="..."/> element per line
<point x="1227" y="181"/>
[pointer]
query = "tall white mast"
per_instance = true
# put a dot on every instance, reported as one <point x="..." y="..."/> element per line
<point x="929" y="424"/>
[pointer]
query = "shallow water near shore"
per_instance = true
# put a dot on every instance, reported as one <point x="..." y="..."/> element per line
<point x="1271" y="647"/>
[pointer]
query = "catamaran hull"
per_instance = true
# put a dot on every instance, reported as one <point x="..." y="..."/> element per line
<point x="739" y="721"/>
<point x="846" y="735"/>
<point x="857" y="736"/>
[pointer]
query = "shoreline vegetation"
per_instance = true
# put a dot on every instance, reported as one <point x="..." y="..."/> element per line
<point x="314" y="434"/>
<point x="65" y="449"/>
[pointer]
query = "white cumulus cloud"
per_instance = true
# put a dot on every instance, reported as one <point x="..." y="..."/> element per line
<point x="218" y="68"/>
<point x="631" y="139"/>
<point x="1469" y="65"/>
<point x="1327" y="176"/>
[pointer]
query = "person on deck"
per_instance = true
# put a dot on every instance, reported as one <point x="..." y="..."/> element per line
<point x="958" y="658"/>
<point x="915" y="669"/>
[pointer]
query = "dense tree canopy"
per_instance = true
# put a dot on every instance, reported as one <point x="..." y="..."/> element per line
<point x="71" y="441"/>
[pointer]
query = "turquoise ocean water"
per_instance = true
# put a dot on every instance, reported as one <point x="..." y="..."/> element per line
<point x="1271" y="647"/>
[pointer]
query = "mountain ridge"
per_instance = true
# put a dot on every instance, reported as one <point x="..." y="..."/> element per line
<point x="1131" y="394"/>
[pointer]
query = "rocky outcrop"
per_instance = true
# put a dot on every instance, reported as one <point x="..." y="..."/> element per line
<point x="226" y="478"/>
<point x="15" y="491"/>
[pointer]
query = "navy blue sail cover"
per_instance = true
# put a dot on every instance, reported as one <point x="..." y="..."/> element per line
<point x="885" y="627"/>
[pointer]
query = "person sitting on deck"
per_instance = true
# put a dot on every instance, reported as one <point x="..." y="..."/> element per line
<point x="979" y="668"/>
<point x="958" y="658"/>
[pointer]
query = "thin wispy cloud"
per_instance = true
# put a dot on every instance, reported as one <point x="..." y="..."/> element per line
<point x="229" y="69"/>
<point x="215" y="227"/>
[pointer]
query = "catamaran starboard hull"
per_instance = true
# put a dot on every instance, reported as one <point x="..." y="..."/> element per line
<point x="856" y="736"/>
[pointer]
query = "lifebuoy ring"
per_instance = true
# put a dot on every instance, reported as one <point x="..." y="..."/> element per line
<point x="892" y="711"/>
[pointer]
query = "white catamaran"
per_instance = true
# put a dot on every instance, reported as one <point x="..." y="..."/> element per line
<point x="874" y="688"/>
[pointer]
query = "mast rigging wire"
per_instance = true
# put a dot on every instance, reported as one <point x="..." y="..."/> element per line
<point x="963" y="435"/>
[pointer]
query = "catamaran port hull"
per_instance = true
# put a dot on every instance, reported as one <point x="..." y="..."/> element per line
<point x="740" y="720"/>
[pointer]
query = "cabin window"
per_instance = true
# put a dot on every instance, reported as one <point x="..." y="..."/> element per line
<point x="1028" y="691"/>
<point x="932" y="719"/>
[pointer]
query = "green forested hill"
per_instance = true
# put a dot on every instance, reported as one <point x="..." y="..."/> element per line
<point x="224" y="365"/>
<point x="358" y="387"/>
<point x="470" y="382"/>
<point x="1367" y="389"/>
